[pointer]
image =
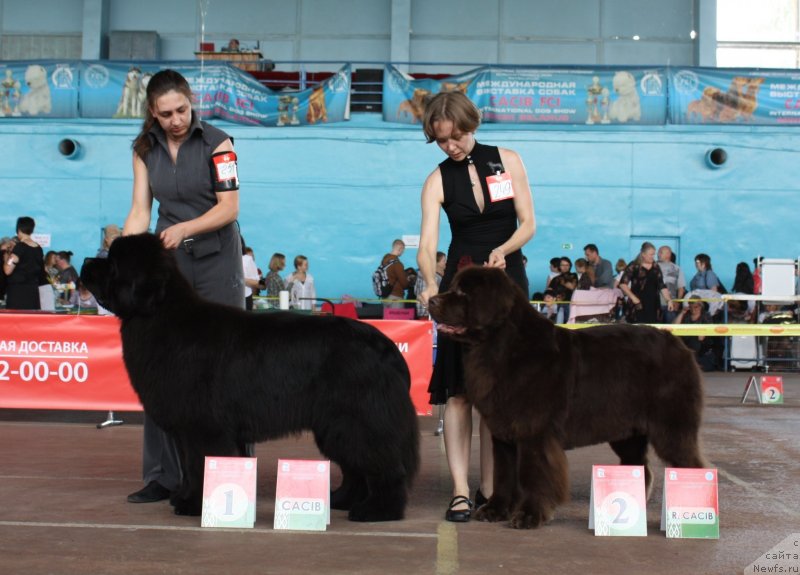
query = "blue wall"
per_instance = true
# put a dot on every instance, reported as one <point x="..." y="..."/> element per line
<point x="340" y="194"/>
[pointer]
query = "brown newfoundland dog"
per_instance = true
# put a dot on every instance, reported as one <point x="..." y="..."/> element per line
<point x="217" y="378"/>
<point x="543" y="389"/>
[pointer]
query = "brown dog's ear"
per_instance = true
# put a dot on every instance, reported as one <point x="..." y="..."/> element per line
<point x="492" y="296"/>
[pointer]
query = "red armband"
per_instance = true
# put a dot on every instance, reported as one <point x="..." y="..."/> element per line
<point x="224" y="171"/>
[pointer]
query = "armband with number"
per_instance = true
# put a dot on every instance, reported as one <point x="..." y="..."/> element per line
<point x="224" y="171"/>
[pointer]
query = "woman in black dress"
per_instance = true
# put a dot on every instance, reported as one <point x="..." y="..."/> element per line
<point x="24" y="266"/>
<point x="485" y="193"/>
<point x="642" y="282"/>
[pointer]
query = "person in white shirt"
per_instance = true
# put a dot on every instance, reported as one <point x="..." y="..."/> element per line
<point x="300" y="284"/>
<point x="251" y="278"/>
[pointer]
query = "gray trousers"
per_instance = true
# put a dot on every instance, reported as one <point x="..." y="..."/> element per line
<point x="218" y="278"/>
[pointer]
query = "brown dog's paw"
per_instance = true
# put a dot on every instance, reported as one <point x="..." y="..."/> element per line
<point x="529" y="520"/>
<point x="490" y="513"/>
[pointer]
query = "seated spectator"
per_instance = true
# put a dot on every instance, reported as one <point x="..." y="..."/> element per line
<point x="585" y="273"/>
<point x="555" y="270"/>
<point x="741" y="311"/>
<point x="707" y="350"/>
<point x="66" y="273"/>
<point x="50" y="266"/>
<point x="82" y="298"/>
<point x="550" y="308"/>
<point x="705" y="278"/>
<point x="563" y="285"/>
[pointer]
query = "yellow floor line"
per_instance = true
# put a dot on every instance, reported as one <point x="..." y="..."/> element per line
<point x="447" y="549"/>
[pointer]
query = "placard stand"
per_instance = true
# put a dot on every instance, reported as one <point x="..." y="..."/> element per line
<point x="110" y="421"/>
<point x="768" y="389"/>
<point x="229" y="492"/>
<point x="617" y="501"/>
<point x="690" y="506"/>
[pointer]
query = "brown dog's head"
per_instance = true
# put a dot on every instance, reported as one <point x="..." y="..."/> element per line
<point x="135" y="278"/>
<point x="480" y="300"/>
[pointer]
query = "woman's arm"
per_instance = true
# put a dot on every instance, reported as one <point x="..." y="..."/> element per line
<point x="138" y="220"/>
<point x="432" y="200"/>
<point x="10" y="262"/>
<point x="523" y="204"/>
<point x="625" y="288"/>
<point x="223" y="213"/>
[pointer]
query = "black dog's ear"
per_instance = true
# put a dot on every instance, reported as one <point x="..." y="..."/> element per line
<point x="142" y="296"/>
<point x="96" y="277"/>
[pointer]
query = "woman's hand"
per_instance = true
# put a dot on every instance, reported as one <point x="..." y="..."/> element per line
<point x="173" y="236"/>
<point x="497" y="259"/>
<point x="427" y="294"/>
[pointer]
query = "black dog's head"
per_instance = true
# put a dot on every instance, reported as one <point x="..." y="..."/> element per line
<point x="134" y="279"/>
<point x="480" y="300"/>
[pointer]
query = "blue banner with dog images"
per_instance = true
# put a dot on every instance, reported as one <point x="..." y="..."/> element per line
<point x="538" y="95"/>
<point x="743" y="97"/>
<point x="40" y="89"/>
<point x="101" y="89"/>
<point x="114" y="90"/>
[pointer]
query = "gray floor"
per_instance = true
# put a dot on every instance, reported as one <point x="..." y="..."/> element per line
<point x="63" y="510"/>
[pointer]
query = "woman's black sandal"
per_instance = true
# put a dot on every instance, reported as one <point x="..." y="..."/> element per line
<point x="480" y="498"/>
<point x="459" y="515"/>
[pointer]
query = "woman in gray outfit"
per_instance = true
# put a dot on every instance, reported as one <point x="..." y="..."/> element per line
<point x="189" y="166"/>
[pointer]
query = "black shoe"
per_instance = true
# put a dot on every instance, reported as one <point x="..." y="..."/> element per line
<point x="480" y="498"/>
<point x="459" y="515"/>
<point x="150" y="493"/>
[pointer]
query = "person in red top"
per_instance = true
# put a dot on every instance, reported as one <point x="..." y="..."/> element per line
<point x="396" y="273"/>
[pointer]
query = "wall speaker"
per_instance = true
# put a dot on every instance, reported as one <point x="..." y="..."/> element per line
<point x="69" y="148"/>
<point x="716" y="158"/>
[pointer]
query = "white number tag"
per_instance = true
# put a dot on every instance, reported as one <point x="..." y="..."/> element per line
<point x="500" y="187"/>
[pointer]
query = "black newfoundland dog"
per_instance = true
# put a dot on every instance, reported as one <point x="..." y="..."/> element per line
<point x="543" y="389"/>
<point x="217" y="378"/>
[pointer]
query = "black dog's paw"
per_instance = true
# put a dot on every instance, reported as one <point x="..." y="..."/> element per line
<point x="370" y="513"/>
<point x="187" y="507"/>
<point x="491" y="512"/>
<point x="342" y="499"/>
<point x="526" y="519"/>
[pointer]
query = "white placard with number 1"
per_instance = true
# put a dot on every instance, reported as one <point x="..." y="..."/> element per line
<point x="229" y="492"/>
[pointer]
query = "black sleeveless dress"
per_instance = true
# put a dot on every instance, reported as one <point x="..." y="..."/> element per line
<point x="474" y="235"/>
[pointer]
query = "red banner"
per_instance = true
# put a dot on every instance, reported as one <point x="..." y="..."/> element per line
<point x="414" y="339"/>
<point x="75" y="362"/>
<point x="63" y="362"/>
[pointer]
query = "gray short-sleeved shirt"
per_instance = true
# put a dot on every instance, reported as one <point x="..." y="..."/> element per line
<point x="185" y="190"/>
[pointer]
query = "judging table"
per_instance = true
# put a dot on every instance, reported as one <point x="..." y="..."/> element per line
<point x="65" y="361"/>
